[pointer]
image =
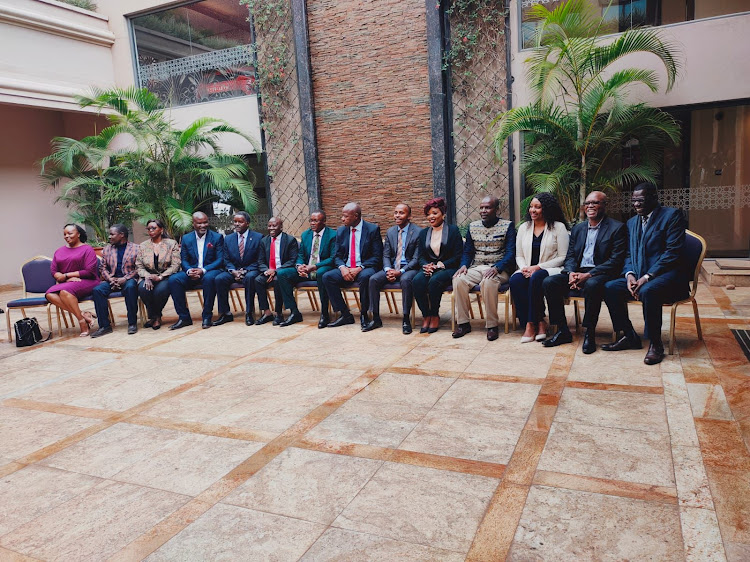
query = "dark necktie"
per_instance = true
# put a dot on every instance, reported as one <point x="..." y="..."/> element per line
<point x="241" y="245"/>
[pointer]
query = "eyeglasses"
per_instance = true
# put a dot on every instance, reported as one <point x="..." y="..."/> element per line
<point x="592" y="203"/>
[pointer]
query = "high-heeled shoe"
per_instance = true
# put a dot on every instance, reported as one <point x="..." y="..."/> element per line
<point x="528" y="339"/>
<point x="541" y="337"/>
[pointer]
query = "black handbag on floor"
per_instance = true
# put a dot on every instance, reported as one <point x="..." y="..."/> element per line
<point x="28" y="332"/>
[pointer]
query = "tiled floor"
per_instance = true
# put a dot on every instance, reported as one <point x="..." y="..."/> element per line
<point x="267" y="443"/>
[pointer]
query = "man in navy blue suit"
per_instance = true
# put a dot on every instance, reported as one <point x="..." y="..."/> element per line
<point x="277" y="251"/>
<point x="202" y="255"/>
<point x="652" y="272"/>
<point x="241" y="261"/>
<point x="359" y="254"/>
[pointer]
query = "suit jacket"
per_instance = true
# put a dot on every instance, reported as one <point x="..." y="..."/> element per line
<point x="609" y="250"/>
<point x="108" y="264"/>
<point x="249" y="258"/>
<point x="370" y="246"/>
<point x="213" y="251"/>
<point x="411" y="251"/>
<point x="657" y="250"/>
<point x="168" y="263"/>
<point x="451" y="247"/>
<point x="289" y="250"/>
<point x="327" y="250"/>
<point x="552" y="252"/>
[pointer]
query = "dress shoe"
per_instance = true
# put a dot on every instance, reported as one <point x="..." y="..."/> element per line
<point x="181" y="324"/>
<point x="149" y="323"/>
<point x="558" y="339"/>
<point x="540" y="337"/>
<point x="323" y="322"/>
<point x="629" y="340"/>
<point x="223" y="319"/>
<point x="293" y="319"/>
<point x="265" y="319"/>
<point x="462" y="330"/>
<point x="363" y="321"/>
<point x="102" y="331"/>
<point x="343" y="320"/>
<point x="527" y="339"/>
<point x="132" y="329"/>
<point x="206" y="324"/>
<point x="249" y="320"/>
<point x="373" y="324"/>
<point x="492" y="334"/>
<point x="406" y="326"/>
<point x="589" y="342"/>
<point x="655" y="353"/>
<point x="277" y="320"/>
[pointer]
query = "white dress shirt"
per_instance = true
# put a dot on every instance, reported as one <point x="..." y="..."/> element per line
<point x="200" y="241"/>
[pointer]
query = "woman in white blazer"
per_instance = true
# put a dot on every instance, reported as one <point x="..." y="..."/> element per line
<point x="541" y="245"/>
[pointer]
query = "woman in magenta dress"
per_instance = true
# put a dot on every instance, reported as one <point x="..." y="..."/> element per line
<point x="76" y="270"/>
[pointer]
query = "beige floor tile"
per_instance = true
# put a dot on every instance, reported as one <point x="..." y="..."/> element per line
<point x="94" y="525"/>
<point x="415" y="390"/>
<point x="305" y="485"/>
<point x="708" y="401"/>
<point x="199" y="404"/>
<point x="700" y="531"/>
<point x="516" y="359"/>
<point x="370" y="423"/>
<point x="608" y="408"/>
<point x="314" y="383"/>
<point x="267" y="411"/>
<point x="87" y="385"/>
<point x="189" y="464"/>
<point x="690" y="477"/>
<point x="55" y="359"/>
<point x="164" y="369"/>
<point x="510" y="399"/>
<point x="22" y="381"/>
<point x="348" y="546"/>
<point x="112" y="450"/>
<point x="34" y="490"/>
<point x="443" y="339"/>
<point x="737" y="552"/>
<point x="125" y="395"/>
<point x="251" y="377"/>
<point x="226" y="533"/>
<point x="466" y="434"/>
<point x="622" y="367"/>
<point x="567" y="525"/>
<point x="603" y="452"/>
<point x="26" y="431"/>
<point x="430" y="507"/>
<point x="434" y="358"/>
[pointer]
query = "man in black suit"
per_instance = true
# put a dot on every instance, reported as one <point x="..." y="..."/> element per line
<point x="241" y="261"/>
<point x="652" y="272"/>
<point x="359" y="254"/>
<point x="400" y="265"/>
<point x="595" y="256"/>
<point x="277" y="251"/>
<point x="315" y="257"/>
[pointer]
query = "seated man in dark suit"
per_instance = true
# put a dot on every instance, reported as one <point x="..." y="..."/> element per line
<point x="241" y="261"/>
<point x="652" y="272"/>
<point x="595" y="255"/>
<point x="202" y="255"/>
<point x="359" y="254"/>
<point x="278" y="250"/>
<point x="315" y="257"/>
<point x="400" y="264"/>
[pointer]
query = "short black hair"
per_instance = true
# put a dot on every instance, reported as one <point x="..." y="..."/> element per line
<point x="648" y="189"/>
<point x="122" y="229"/>
<point x="81" y="231"/>
<point x="245" y="215"/>
<point x="319" y="212"/>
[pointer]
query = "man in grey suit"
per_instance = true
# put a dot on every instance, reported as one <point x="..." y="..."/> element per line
<point x="400" y="265"/>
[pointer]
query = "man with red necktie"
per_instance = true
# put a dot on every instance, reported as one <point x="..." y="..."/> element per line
<point x="278" y="250"/>
<point x="359" y="254"/>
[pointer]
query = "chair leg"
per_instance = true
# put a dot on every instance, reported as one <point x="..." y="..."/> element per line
<point x="111" y="314"/>
<point x="7" y="319"/>
<point x="453" y="311"/>
<point x="316" y="303"/>
<point x="59" y="326"/>
<point x="479" y="304"/>
<point x="49" y="318"/>
<point x="395" y="303"/>
<point x="413" y="311"/>
<point x="356" y="299"/>
<point x="577" y="315"/>
<point x="388" y="300"/>
<point x="312" y="302"/>
<point x="200" y="298"/>
<point x="697" y="320"/>
<point x="271" y="301"/>
<point x="234" y="301"/>
<point x="507" y="307"/>
<point x="672" y="322"/>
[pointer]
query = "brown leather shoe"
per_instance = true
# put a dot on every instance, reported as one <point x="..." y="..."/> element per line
<point x="655" y="353"/>
<point x="492" y="334"/>
<point x="462" y="330"/>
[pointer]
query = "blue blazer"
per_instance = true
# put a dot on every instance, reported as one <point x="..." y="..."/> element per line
<point x="249" y="258"/>
<point x="327" y="247"/>
<point x="370" y="246"/>
<point x="609" y="250"/>
<point x="657" y="250"/>
<point x="213" y="251"/>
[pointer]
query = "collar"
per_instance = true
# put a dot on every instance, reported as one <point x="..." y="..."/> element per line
<point x="358" y="226"/>
<point x="491" y="223"/>
<point x="199" y="237"/>
<point x="405" y="229"/>
<point x="595" y="227"/>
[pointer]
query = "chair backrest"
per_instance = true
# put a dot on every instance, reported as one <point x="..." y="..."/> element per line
<point x="36" y="275"/>
<point x="693" y="253"/>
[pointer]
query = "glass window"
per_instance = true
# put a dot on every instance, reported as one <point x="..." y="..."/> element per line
<point x="196" y="52"/>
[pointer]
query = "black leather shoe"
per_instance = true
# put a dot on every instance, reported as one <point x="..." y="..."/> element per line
<point x="223" y="319"/>
<point x="132" y="329"/>
<point x="206" y="324"/>
<point x="265" y="319"/>
<point x="343" y="320"/>
<point x="406" y="326"/>
<point x="373" y="324"/>
<point x="627" y="341"/>
<point x="278" y="319"/>
<point x="655" y="353"/>
<point x="149" y="323"/>
<point x="180" y="324"/>
<point x="323" y="322"/>
<point x="293" y="319"/>
<point x="492" y="334"/>
<point x="589" y="342"/>
<point x="558" y="339"/>
<point x="101" y="332"/>
<point x="363" y="321"/>
<point x="462" y="330"/>
<point x="249" y="320"/>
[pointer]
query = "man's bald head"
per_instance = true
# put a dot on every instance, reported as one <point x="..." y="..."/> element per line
<point x="200" y="223"/>
<point x="351" y="214"/>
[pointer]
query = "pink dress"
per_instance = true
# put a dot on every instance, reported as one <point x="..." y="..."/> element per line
<point x="83" y="259"/>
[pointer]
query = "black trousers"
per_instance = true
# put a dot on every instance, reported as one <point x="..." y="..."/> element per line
<point x="155" y="299"/>
<point x="556" y="290"/>
<point x="663" y="289"/>
<point x="288" y="278"/>
<point x="429" y="290"/>
<point x="379" y="280"/>
<point x="101" y="297"/>
<point x="225" y="280"/>
<point x="333" y="281"/>
<point x="262" y="285"/>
